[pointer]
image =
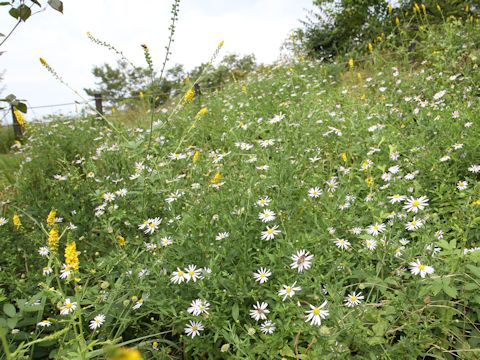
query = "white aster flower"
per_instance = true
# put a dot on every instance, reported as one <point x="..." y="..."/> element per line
<point x="316" y="314"/>
<point x="259" y="311"/>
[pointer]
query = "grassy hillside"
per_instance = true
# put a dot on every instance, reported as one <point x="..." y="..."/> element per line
<point x="315" y="211"/>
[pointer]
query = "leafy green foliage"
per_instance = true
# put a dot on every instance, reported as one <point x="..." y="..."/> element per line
<point x="349" y="25"/>
<point x="360" y="134"/>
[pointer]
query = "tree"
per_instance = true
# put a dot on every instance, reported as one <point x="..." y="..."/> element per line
<point x="339" y="26"/>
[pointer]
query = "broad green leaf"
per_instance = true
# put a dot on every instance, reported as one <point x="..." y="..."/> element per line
<point x="9" y="310"/>
<point x="14" y="12"/>
<point x="475" y="270"/>
<point x="24" y="12"/>
<point x="21" y="107"/>
<point x="449" y="290"/>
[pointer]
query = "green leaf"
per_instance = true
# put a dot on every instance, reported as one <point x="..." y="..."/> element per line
<point x="235" y="312"/>
<point x="9" y="310"/>
<point x="24" y="12"/>
<point x="3" y="3"/>
<point x="56" y="4"/>
<point x="475" y="270"/>
<point x="21" y="107"/>
<point x="36" y="2"/>
<point x="12" y="322"/>
<point x="14" y="12"/>
<point x="450" y="291"/>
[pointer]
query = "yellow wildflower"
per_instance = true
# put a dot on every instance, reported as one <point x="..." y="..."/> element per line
<point x="397" y="21"/>
<point x="126" y="354"/>
<point x="359" y="76"/>
<point x="350" y="63"/>
<point x="19" y="117"/>
<point x="43" y="62"/>
<point x="71" y="256"/>
<point x="196" y="156"/>
<point x="121" y="240"/>
<point x="53" y="240"/>
<point x="370" y="181"/>
<point x="201" y="113"/>
<point x="141" y="94"/>
<point x="390" y="8"/>
<point x="244" y="89"/>
<point x="344" y="157"/>
<point x="51" y="218"/>
<point x="370" y="47"/>
<point x="16" y="221"/>
<point x="439" y="8"/>
<point x="424" y="9"/>
<point x="188" y="96"/>
<point x="220" y="44"/>
<point x="217" y="178"/>
<point x="476" y="202"/>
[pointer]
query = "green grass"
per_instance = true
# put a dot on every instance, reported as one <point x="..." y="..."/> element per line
<point x="287" y="131"/>
<point x="6" y="138"/>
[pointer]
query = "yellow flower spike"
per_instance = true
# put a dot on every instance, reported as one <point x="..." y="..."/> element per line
<point x="201" y="113"/>
<point x="196" y="156"/>
<point x="350" y="63"/>
<point x="359" y="76"/>
<point x="53" y="240"/>
<point x="19" y="117"/>
<point x="16" y="221"/>
<point x="439" y="8"/>
<point x="51" y="218"/>
<point x="141" y="94"/>
<point x="121" y="240"/>
<point x="244" y="89"/>
<point x="217" y="178"/>
<point x="424" y="9"/>
<point x="126" y="354"/>
<point x="370" y="47"/>
<point x="397" y="21"/>
<point x="220" y="44"/>
<point x="476" y="202"/>
<point x="43" y="62"/>
<point x="467" y="8"/>
<point x="71" y="256"/>
<point x="390" y="8"/>
<point x="344" y="157"/>
<point x="188" y="96"/>
<point x="114" y="110"/>
<point x="370" y="181"/>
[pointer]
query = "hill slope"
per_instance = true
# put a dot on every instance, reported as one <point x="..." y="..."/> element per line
<point x="345" y="199"/>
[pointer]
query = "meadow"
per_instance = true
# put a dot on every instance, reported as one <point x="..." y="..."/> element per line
<point x="312" y="211"/>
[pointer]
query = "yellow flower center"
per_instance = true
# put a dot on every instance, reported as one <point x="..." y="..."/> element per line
<point x="415" y="203"/>
<point x="316" y="311"/>
<point x="421" y="267"/>
<point x="68" y="305"/>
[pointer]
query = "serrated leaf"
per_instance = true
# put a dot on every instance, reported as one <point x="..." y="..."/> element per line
<point x="56" y="4"/>
<point x="9" y="310"/>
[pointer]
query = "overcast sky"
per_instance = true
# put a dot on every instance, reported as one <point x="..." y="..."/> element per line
<point x="246" y="26"/>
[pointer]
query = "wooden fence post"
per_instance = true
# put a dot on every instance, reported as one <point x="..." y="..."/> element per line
<point x="17" y="128"/>
<point x="98" y="103"/>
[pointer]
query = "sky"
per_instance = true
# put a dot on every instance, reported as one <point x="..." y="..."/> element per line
<point x="246" y="26"/>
